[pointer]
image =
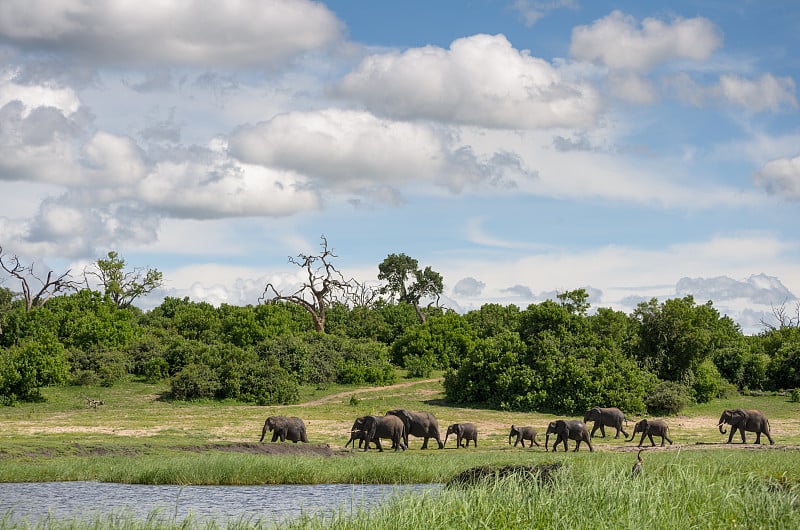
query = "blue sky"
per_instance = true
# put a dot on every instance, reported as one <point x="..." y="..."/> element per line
<point x="521" y="148"/>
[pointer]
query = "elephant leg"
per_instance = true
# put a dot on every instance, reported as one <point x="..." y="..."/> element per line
<point x="425" y="443"/>
<point x="741" y="431"/>
<point x="667" y="437"/>
<point x="758" y="437"/>
<point x="652" y="442"/>
<point x="602" y="431"/>
<point x="594" y="429"/>
<point x="730" y="436"/>
<point x="577" y="446"/>
<point x="275" y="436"/>
<point x="641" y="440"/>
<point x="771" y="441"/>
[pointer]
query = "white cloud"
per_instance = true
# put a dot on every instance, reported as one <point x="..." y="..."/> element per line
<point x="37" y="95"/>
<point x="358" y="152"/>
<point x="781" y="176"/>
<point x="617" y="41"/>
<point x="468" y="287"/>
<point x="532" y="11"/>
<point x="480" y="80"/>
<point x="632" y="87"/>
<point x="230" y="34"/>
<point x="758" y="288"/>
<point x="766" y="93"/>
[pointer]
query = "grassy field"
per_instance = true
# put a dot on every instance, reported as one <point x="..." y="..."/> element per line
<point x="137" y="436"/>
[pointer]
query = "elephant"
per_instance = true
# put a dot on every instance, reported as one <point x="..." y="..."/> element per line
<point x="568" y="430"/>
<point x="465" y="432"/>
<point x="651" y="428"/>
<point x="602" y="417"/>
<point x="292" y="429"/>
<point x="745" y="420"/>
<point x="391" y="427"/>
<point x="523" y="433"/>
<point x="419" y="424"/>
<point x="357" y="432"/>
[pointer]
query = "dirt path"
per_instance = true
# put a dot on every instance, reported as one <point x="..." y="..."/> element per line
<point x="340" y="395"/>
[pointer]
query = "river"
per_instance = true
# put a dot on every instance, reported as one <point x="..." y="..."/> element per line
<point x="266" y="504"/>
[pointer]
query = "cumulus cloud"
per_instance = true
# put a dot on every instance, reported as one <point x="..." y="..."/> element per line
<point x="468" y="287"/>
<point x="520" y="291"/>
<point x="480" y="80"/>
<point x="193" y="32"/>
<point x="32" y="96"/>
<point x="632" y="87"/>
<point x="356" y="151"/>
<point x="758" y="288"/>
<point x="781" y="177"/>
<point x="765" y="93"/>
<point x="618" y="42"/>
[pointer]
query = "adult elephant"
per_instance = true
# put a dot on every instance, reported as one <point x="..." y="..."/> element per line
<point x="651" y="428"/>
<point x="391" y="427"/>
<point x="568" y="430"/>
<point x="419" y="424"/>
<point x="605" y="417"/>
<point x="522" y="434"/>
<point x="292" y="429"/>
<point x="745" y="420"/>
<point x="465" y="432"/>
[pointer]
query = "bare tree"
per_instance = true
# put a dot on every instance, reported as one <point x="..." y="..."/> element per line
<point x="783" y="317"/>
<point x="323" y="286"/>
<point x="36" y="295"/>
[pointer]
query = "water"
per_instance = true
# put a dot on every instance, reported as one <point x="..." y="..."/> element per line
<point x="266" y="504"/>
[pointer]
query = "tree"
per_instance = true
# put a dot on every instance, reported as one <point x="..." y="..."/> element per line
<point x="324" y="283"/>
<point x="410" y="284"/>
<point x="121" y="286"/>
<point x="50" y="286"/>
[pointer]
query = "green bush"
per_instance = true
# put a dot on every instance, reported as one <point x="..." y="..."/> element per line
<point x="33" y="364"/>
<point x="194" y="381"/>
<point x="155" y="369"/>
<point x="668" y="398"/>
<point x="98" y="366"/>
<point x="794" y="396"/>
<point x="419" y="365"/>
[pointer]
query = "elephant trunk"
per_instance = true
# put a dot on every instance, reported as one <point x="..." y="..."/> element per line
<point x="509" y="438"/>
<point x="546" y="440"/>
<point x="721" y="428"/>
<point x="632" y="436"/>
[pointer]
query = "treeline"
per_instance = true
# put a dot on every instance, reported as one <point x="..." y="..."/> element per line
<point x="552" y="356"/>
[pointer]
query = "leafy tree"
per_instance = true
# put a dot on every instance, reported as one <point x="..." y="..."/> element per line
<point x="410" y="284"/>
<point x="678" y="335"/>
<point x="6" y="297"/>
<point x="493" y="319"/>
<point x="443" y="341"/>
<point x="576" y="301"/>
<point x="121" y="286"/>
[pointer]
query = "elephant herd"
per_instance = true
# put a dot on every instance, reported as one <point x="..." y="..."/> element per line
<point x="396" y="425"/>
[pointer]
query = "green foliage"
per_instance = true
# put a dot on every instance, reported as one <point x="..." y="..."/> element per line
<point x="29" y="366"/>
<point x="194" y="381"/>
<point x="419" y="365"/>
<point x="782" y="345"/>
<point x="98" y="366"/>
<point x="443" y="340"/>
<point x="668" y="398"/>
<point x="493" y="319"/>
<point x="397" y="270"/>
<point x="794" y="396"/>
<point x="121" y="286"/>
<point x="677" y="336"/>
<point x="707" y="382"/>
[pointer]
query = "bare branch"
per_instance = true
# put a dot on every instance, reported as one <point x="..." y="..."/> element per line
<point x="323" y="285"/>
<point x="48" y="287"/>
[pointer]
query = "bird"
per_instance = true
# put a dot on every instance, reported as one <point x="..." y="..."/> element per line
<point x="637" y="467"/>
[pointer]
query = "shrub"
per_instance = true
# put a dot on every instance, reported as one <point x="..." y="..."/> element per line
<point x="26" y="368"/>
<point x="98" y="366"/>
<point x="419" y="365"/>
<point x="794" y="397"/>
<point x="194" y="381"/>
<point x="668" y="398"/>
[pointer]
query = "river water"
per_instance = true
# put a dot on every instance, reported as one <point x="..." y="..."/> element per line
<point x="266" y="504"/>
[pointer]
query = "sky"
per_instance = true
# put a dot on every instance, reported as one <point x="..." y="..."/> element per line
<point x="520" y="148"/>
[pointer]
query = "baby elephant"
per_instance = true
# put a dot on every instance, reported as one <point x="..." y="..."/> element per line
<point x="650" y="428"/>
<point x="463" y="431"/>
<point x="523" y="433"/>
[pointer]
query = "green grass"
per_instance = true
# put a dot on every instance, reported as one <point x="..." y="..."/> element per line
<point x="137" y="436"/>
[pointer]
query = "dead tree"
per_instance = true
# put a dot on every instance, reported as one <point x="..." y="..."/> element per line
<point x="49" y="286"/>
<point x="324" y="285"/>
<point x="784" y="318"/>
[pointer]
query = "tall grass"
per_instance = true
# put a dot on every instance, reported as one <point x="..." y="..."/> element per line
<point x="705" y="493"/>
